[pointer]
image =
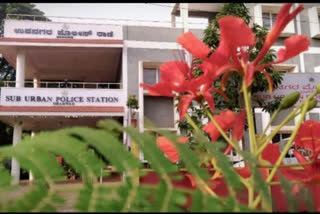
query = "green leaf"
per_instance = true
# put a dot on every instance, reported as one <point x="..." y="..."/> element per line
<point x="72" y="150"/>
<point x="146" y="143"/>
<point x="5" y="177"/>
<point x="292" y="199"/>
<point x="224" y="165"/>
<point x="109" y="146"/>
<point x="191" y="160"/>
<point x="259" y="184"/>
<point x="205" y="203"/>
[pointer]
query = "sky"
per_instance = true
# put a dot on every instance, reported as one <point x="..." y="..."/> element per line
<point x="154" y="14"/>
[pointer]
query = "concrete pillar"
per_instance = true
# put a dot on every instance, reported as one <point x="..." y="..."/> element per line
<point x="20" y="69"/>
<point x="265" y="120"/>
<point x="173" y="20"/>
<point x="184" y="16"/>
<point x="30" y="173"/>
<point x="35" y="82"/>
<point x="15" y="166"/>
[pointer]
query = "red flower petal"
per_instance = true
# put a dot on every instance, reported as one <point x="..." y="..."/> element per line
<point x="168" y="148"/>
<point x="234" y="32"/>
<point x="225" y="120"/>
<point x="174" y="72"/>
<point x="244" y="171"/>
<point x="230" y="41"/>
<point x="220" y="92"/>
<point x="183" y="104"/>
<point x="208" y="97"/>
<point x="225" y="78"/>
<point x="159" y="89"/>
<point x="283" y="18"/>
<point x="304" y="136"/>
<point x="302" y="159"/>
<point x="183" y="140"/>
<point x="269" y="79"/>
<point x="293" y="46"/>
<point x="308" y="136"/>
<point x="251" y="69"/>
<point x="249" y="75"/>
<point x="229" y="148"/>
<point x="271" y="153"/>
<point x="191" y="179"/>
<point x="238" y="127"/>
<point x="194" y="45"/>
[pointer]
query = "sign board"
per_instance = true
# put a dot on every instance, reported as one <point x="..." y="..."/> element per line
<point x="61" y="97"/>
<point x="55" y="30"/>
<point x="305" y="83"/>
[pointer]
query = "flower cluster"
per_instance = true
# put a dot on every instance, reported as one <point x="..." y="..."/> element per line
<point x="237" y="41"/>
<point x="177" y="78"/>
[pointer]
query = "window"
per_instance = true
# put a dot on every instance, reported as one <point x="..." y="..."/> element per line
<point x="151" y="76"/>
<point x="158" y="110"/>
<point x="314" y="14"/>
<point x="282" y="138"/>
<point x="265" y="15"/>
<point x="268" y="19"/>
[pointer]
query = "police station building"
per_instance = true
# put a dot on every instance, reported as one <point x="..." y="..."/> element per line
<point x="75" y="73"/>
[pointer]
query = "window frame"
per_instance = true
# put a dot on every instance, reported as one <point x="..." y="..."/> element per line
<point x="314" y="22"/>
<point x="154" y="65"/>
<point x="261" y="8"/>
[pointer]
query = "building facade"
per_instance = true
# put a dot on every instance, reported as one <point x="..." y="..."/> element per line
<point x="71" y="74"/>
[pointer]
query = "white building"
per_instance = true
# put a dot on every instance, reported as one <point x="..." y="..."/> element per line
<point x="76" y="74"/>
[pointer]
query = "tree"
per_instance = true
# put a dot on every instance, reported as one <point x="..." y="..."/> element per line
<point x="234" y="103"/>
<point x="7" y="72"/>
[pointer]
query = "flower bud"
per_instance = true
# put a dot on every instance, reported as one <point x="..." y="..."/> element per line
<point x="318" y="88"/>
<point x="289" y="100"/>
<point x="312" y="103"/>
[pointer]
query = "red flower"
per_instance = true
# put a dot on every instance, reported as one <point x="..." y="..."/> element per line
<point x="169" y="149"/>
<point x="177" y="79"/>
<point x="226" y="120"/>
<point x="308" y="137"/>
<point x="293" y="45"/>
<point x="226" y="59"/>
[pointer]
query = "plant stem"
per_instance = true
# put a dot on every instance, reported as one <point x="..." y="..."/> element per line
<point x="250" y="195"/>
<point x="192" y="123"/>
<point x="290" y="141"/>
<point x="274" y="114"/>
<point x="286" y="166"/>
<point x="286" y="148"/>
<point x="224" y="135"/>
<point x="289" y="117"/>
<point x="274" y="132"/>
<point x="246" y="95"/>
<point x="203" y="186"/>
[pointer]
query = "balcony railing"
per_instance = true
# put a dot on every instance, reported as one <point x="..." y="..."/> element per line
<point x="63" y="84"/>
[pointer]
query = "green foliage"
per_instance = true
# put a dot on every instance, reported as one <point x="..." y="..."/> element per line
<point x="260" y="84"/>
<point x="211" y="38"/>
<point x="211" y="35"/>
<point x="271" y="106"/>
<point x="132" y="102"/>
<point x="293" y="198"/>
<point x="7" y="72"/>
<point x="86" y="150"/>
<point x="223" y="164"/>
